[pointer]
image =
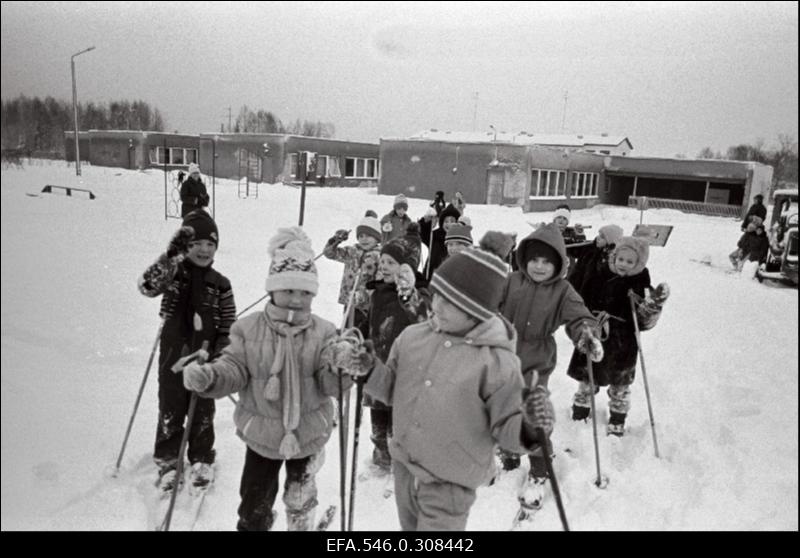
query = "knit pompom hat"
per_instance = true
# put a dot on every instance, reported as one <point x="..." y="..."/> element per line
<point x="292" y="265"/>
<point x="402" y="251"/>
<point x="473" y="281"/>
<point x="369" y="226"/>
<point x="612" y="233"/>
<point x="193" y="168"/>
<point x="401" y="201"/>
<point x="460" y="233"/>
<point x="204" y="226"/>
<point x="498" y="243"/>
<point x="562" y="212"/>
<point x="638" y="246"/>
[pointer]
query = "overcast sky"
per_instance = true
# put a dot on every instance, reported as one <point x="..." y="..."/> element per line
<point x="673" y="77"/>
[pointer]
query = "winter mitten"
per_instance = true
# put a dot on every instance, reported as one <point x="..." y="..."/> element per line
<point x="197" y="377"/>
<point x="405" y="280"/>
<point x="180" y="242"/>
<point x="157" y="277"/>
<point x="430" y="214"/>
<point x="660" y="294"/>
<point x="341" y="235"/>
<point x="537" y="411"/>
<point x="204" y="200"/>
<point x="589" y="344"/>
<point x="387" y="227"/>
<point x="578" y="229"/>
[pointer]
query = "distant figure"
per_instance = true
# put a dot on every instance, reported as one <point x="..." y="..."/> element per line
<point x="459" y="203"/>
<point x="193" y="191"/>
<point x="438" y="203"/>
<point x="758" y="209"/>
<point x="395" y="223"/>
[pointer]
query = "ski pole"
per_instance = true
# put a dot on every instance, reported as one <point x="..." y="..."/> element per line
<point x="182" y="451"/>
<point x="430" y="252"/>
<point x="548" y="461"/>
<point x="138" y="398"/>
<point x="644" y="372"/>
<point x="599" y="482"/>
<point x="356" y="428"/>
<point x="249" y="307"/>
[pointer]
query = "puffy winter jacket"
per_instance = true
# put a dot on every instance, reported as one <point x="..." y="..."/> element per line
<point x="537" y="310"/>
<point x="453" y="399"/>
<point x="394" y="226"/>
<point x="355" y="258"/>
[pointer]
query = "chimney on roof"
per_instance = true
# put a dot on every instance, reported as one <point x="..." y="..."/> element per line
<point x="604" y="134"/>
<point x="580" y="137"/>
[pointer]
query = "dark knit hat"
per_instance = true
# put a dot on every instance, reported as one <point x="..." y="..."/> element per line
<point x="449" y="211"/>
<point x="539" y="249"/>
<point x="204" y="226"/>
<point x="370" y="213"/>
<point x="401" y="250"/>
<point x="473" y="281"/>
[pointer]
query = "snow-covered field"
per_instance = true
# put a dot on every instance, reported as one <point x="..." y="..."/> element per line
<point x="76" y="335"/>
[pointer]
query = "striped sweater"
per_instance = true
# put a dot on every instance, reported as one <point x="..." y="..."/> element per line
<point x="171" y="277"/>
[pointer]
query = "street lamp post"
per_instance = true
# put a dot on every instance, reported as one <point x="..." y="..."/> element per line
<point x="75" y="110"/>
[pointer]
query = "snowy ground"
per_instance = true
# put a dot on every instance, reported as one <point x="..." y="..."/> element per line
<point x="76" y="335"/>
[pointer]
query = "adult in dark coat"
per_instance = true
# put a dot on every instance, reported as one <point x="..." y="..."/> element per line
<point x="758" y="209"/>
<point x="193" y="192"/>
<point x="435" y="240"/>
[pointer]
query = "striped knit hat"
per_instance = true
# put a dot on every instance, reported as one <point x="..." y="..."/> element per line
<point x="292" y="265"/>
<point x="473" y="281"/>
<point x="460" y="233"/>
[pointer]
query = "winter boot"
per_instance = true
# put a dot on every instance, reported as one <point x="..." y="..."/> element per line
<point x="532" y="494"/>
<point x="580" y="413"/>
<point x="616" y="424"/>
<point x="300" y="520"/>
<point x="166" y="480"/>
<point x="202" y="476"/>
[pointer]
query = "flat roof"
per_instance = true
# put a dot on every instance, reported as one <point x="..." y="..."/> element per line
<point x="518" y="138"/>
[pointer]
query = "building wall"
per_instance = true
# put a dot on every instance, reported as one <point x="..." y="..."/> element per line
<point x="338" y="149"/>
<point x="84" y="146"/>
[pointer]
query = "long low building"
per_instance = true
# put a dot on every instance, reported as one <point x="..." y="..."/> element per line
<point x="580" y="171"/>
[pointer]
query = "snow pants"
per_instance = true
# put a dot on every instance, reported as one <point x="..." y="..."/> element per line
<point x="619" y="397"/>
<point x="430" y="506"/>
<point x="173" y="406"/>
<point x="259" y="488"/>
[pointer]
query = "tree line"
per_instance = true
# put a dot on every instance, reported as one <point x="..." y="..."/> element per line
<point x="38" y="125"/>
<point x="782" y="157"/>
<point x="262" y="121"/>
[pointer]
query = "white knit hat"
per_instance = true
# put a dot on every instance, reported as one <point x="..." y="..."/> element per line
<point x="194" y="167"/>
<point x="370" y="226"/>
<point x="292" y="265"/>
<point x="562" y="212"/>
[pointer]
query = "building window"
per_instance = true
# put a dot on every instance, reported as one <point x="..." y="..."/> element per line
<point x="293" y="165"/>
<point x="357" y="167"/>
<point x="584" y="184"/>
<point x="547" y="183"/>
<point x="176" y="156"/>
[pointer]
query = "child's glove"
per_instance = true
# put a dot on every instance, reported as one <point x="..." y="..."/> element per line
<point x="339" y="236"/>
<point x="405" y="280"/>
<point x="589" y="344"/>
<point x="578" y="228"/>
<point x="537" y="410"/>
<point x="197" y="377"/>
<point x="387" y="227"/>
<point x="180" y="242"/>
<point x="349" y="355"/>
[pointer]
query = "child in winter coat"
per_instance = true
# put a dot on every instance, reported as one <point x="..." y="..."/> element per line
<point x="395" y="223"/>
<point x="537" y="299"/>
<point x="595" y="258"/>
<point x="197" y="306"/>
<point x="625" y="273"/>
<point x="281" y="363"/>
<point x="193" y="192"/>
<point x="456" y="390"/>
<point x="363" y="256"/>
<point x="434" y="239"/>
<point x="759" y="246"/>
<point x="438" y="203"/>
<point x="399" y="299"/>
<point x="744" y="246"/>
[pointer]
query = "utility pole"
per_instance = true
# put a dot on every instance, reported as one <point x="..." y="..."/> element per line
<point x="229" y="120"/>
<point x="475" y="112"/>
<point x="564" y="115"/>
<point x="75" y="110"/>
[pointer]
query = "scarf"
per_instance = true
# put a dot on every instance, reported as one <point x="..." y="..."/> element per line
<point x="286" y="324"/>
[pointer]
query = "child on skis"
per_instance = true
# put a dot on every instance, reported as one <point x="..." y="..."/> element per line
<point x="537" y="299"/>
<point x="625" y="273"/>
<point x="594" y="258"/>
<point x="456" y="390"/>
<point x="282" y="362"/>
<point x="434" y="239"/>
<point x="395" y="223"/>
<point x="399" y="299"/>
<point x="362" y="256"/>
<point x="197" y="306"/>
